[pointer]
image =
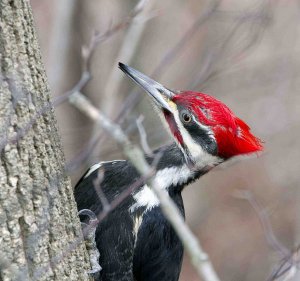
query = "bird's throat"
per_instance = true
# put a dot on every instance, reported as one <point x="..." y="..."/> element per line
<point x="174" y="172"/>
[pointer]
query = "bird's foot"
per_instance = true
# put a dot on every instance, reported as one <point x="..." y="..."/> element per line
<point x="89" y="234"/>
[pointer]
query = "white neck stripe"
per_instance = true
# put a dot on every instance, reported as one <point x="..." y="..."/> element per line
<point x="163" y="179"/>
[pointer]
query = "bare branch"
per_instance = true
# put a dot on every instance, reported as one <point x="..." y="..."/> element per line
<point x="123" y="24"/>
<point x="126" y="53"/>
<point x="87" y="53"/>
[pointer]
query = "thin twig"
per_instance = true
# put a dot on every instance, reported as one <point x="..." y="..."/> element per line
<point x="134" y="98"/>
<point x="97" y="186"/>
<point x="289" y="263"/>
<point x="87" y="52"/>
<point x="272" y="240"/>
<point x="288" y="268"/>
<point x="143" y="136"/>
<point x="126" y="53"/>
<point x="259" y="17"/>
<point x="99" y="218"/>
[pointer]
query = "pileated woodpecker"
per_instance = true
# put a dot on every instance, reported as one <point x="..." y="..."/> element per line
<point x="135" y="240"/>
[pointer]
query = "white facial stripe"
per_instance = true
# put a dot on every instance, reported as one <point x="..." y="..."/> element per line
<point x="167" y="126"/>
<point x="200" y="156"/>
<point x="206" y="128"/>
<point x="193" y="148"/>
<point x="98" y="165"/>
<point x="163" y="179"/>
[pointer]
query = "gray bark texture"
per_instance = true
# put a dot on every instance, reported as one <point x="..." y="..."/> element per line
<point x="40" y="234"/>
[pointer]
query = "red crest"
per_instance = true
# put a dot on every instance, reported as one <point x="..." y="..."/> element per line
<point x="232" y="134"/>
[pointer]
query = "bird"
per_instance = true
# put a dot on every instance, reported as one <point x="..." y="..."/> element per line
<point x="135" y="240"/>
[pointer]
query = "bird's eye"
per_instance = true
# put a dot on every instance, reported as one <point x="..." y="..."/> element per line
<point x="186" y="117"/>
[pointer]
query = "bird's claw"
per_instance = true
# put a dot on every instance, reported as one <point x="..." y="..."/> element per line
<point x="89" y="233"/>
<point x="88" y="213"/>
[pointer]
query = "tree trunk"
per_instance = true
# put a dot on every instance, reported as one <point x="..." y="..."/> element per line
<point x="40" y="234"/>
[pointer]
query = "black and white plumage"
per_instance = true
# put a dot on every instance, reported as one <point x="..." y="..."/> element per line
<point x="135" y="241"/>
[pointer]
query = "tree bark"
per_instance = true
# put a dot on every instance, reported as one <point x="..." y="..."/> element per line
<point x="40" y="234"/>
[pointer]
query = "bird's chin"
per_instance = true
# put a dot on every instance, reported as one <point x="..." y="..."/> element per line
<point x="190" y="161"/>
<point x="193" y="163"/>
<point x="203" y="163"/>
<point x="200" y="168"/>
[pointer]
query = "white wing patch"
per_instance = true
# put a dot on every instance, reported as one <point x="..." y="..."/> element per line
<point x="163" y="179"/>
<point x="137" y="221"/>
<point x="98" y="165"/>
<point x="92" y="169"/>
<point x="144" y="198"/>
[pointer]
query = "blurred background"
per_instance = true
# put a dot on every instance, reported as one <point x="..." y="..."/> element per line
<point x="243" y="52"/>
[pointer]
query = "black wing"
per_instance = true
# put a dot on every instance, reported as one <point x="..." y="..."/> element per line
<point x="158" y="252"/>
<point x="114" y="234"/>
